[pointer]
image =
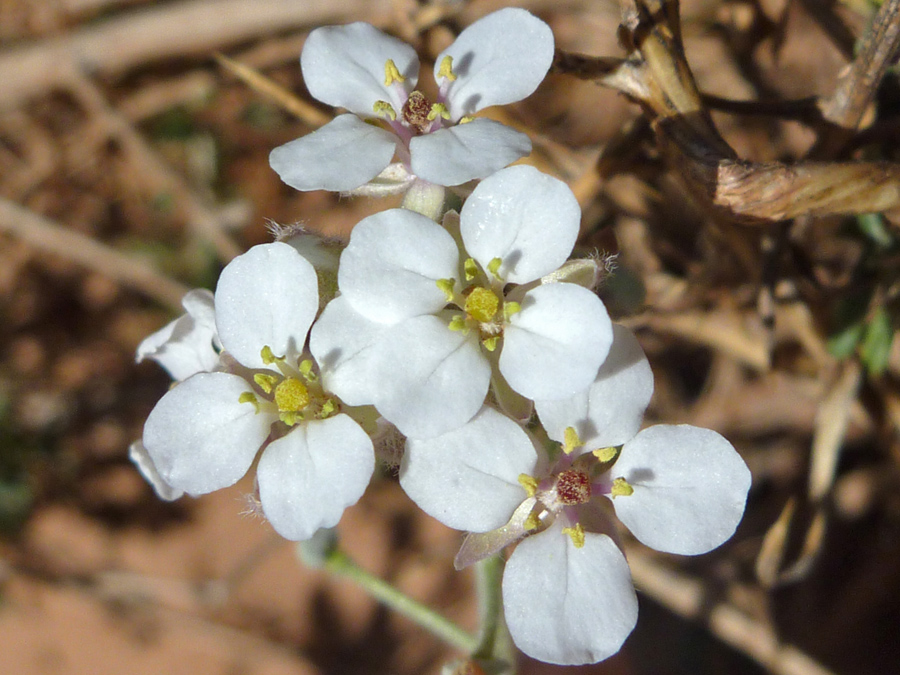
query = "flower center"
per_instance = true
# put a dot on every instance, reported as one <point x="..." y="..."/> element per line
<point x="573" y="487"/>
<point x="415" y="112"/>
<point x="482" y="304"/>
<point x="291" y="395"/>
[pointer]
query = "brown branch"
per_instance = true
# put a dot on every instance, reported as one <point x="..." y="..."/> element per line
<point x="51" y="237"/>
<point x="657" y="76"/>
<point x="190" y="27"/>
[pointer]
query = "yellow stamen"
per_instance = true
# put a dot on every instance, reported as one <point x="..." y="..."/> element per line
<point x="249" y="397"/>
<point x="291" y="395"/>
<point x="528" y="483"/>
<point x="385" y="109"/>
<point x="604" y="454"/>
<point x="391" y="74"/>
<point x="482" y="304"/>
<point x="510" y="308"/>
<point x="290" y="417"/>
<point x="458" y="324"/>
<point x="267" y="356"/>
<point x="532" y="522"/>
<point x="471" y="268"/>
<point x="438" y="110"/>
<point x="329" y="408"/>
<point x="491" y="343"/>
<point x="621" y="488"/>
<point x="265" y="382"/>
<point x="446" y="285"/>
<point x="576" y="533"/>
<point x="494" y="267"/>
<point x="571" y="440"/>
<point x="466" y="119"/>
<point x="446" y="69"/>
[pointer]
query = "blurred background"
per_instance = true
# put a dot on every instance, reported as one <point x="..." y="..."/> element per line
<point x="133" y="167"/>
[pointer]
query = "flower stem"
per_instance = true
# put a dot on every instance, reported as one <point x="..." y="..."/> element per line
<point x="494" y="643"/>
<point x="425" y="198"/>
<point x="425" y="616"/>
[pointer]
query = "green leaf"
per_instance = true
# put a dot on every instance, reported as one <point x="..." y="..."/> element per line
<point x="876" y="346"/>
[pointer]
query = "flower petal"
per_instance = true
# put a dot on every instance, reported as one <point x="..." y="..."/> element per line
<point x="553" y="347"/>
<point x="568" y="605"/>
<point x="186" y="345"/>
<point x="138" y="454"/>
<point x="468" y="477"/>
<point x="342" y="341"/>
<point x="343" y="155"/>
<point x="690" y="488"/>
<point x="526" y="218"/>
<point x="389" y="270"/>
<point x="345" y="66"/>
<point x="610" y="411"/>
<point x="308" y="477"/>
<point x="499" y="59"/>
<point x="200" y="437"/>
<point x="266" y="297"/>
<point x="428" y="379"/>
<point x="463" y="152"/>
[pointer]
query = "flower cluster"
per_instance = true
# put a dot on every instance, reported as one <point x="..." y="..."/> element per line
<point x="470" y="331"/>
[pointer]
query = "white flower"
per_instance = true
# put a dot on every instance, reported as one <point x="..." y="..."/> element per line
<point x="443" y="324"/>
<point x="567" y="591"/>
<point x="499" y="59"/>
<point x="204" y="434"/>
<point x="189" y="344"/>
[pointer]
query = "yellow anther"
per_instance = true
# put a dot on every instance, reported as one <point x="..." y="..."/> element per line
<point x="471" y="268"/>
<point x="446" y="285"/>
<point x="290" y="417"/>
<point x="446" y="69"/>
<point x="291" y="395"/>
<point x="329" y="408"/>
<point x="249" y="397"/>
<point x="385" y="109"/>
<point x="267" y="356"/>
<point x="621" y="488"/>
<point x="458" y="324"/>
<point x="391" y="74"/>
<point x="438" y="110"/>
<point x="576" y="533"/>
<point x="604" y="454"/>
<point x="494" y="267"/>
<point x="571" y="440"/>
<point x="532" y="522"/>
<point x="265" y="382"/>
<point x="306" y="370"/>
<point x="465" y="119"/>
<point x="482" y="304"/>
<point x="510" y="308"/>
<point x="491" y="343"/>
<point x="528" y="483"/>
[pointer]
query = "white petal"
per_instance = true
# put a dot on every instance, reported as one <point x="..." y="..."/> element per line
<point x="610" y="411"/>
<point x="390" y="268"/>
<point x="524" y="217"/>
<point x="568" y="605"/>
<point x="340" y="156"/>
<point x="690" y="488"/>
<point x="344" y="66"/>
<point x="138" y="454"/>
<point x="186" y="345"/>
<point x="499" y="59"/>
<point x="464" y="152"/>
<point x="468" y="477"/>
<point x="341" y="341"/>
<point x="553" y="348"/>
<point x="308" y="477"/>
<point x="266" y="297"/>
<point x="200" y="437"/>
<point x="429" y="379"/>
